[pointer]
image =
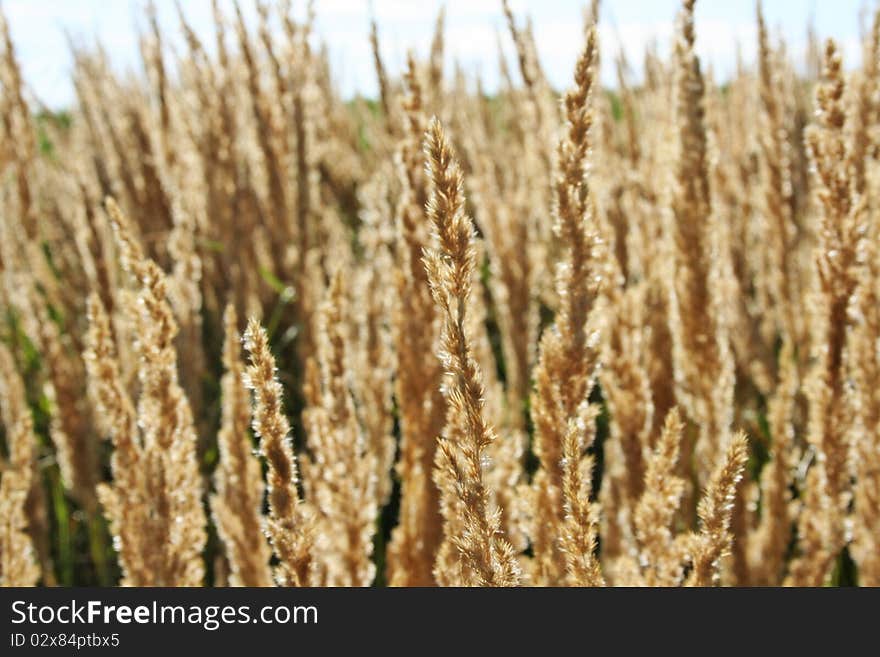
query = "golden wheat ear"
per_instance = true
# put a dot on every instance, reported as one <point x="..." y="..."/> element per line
<point x="237" y="506"/>
<point x="450" y="262"/>
<point x="290" y="524"/>
<point x="715" y="510"/>
<point x="566" y="523"/>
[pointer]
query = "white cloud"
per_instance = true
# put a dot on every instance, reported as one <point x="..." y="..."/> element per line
<point x="472" y="26"/>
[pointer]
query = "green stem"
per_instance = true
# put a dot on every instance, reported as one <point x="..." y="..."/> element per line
<point x="99" y="547"/>
<point x="62" y="522"/>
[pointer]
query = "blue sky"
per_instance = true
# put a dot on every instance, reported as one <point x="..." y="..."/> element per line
<point x="38" y="27"/>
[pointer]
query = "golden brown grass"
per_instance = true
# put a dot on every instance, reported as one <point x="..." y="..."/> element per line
<point x="621" y="337"/>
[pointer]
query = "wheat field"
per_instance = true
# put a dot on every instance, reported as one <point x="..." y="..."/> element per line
<point x="255" y="333"/>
